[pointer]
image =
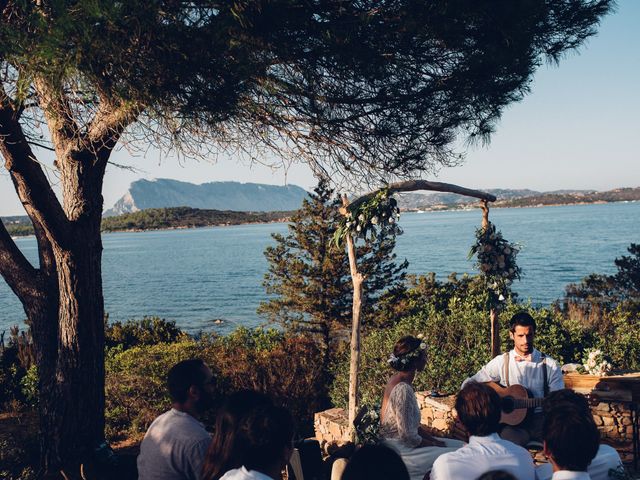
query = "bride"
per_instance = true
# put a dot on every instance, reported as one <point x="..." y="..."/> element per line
<point x="400" y="415"/>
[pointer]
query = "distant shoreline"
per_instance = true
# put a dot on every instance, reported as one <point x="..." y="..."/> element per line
<point x="279" y="218"/>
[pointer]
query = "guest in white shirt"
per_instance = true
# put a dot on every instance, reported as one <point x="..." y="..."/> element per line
<point x="526" y="366"/>
<point x="606" y="459"/>
<point x="266" y="436"/>
<point x="478" y="408"/>
<point x="176" y="442"/>
<point x="570" y="442"/>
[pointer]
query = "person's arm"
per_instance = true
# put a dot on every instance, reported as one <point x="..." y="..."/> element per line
<point x="556" y="382"/>
<point x="195" y="456"/>
<point x="491" y="372"/>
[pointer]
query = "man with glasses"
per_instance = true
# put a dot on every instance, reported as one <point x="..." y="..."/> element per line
<point x="175" y="444"/>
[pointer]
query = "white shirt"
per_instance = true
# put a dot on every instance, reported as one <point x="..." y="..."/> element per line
<point x="525" y="373"/>
<point x="243" y="474"/>
<point x="482" y="455"/>
<point x="568" y="475"/>
<point x="606" y="459"/>
<point x="173" y="448"/>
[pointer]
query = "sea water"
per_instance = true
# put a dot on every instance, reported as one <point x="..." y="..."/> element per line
<point x="210" y="279"/>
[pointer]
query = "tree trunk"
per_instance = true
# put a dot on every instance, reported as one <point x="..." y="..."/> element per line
<point x="354" y="364"/>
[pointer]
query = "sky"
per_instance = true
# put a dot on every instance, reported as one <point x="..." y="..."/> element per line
<point x="579" y="128"/>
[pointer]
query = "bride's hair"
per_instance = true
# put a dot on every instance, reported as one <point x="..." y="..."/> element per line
<point x="406" y="352"/>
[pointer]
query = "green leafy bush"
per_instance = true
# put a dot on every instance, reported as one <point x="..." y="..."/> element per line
<point x="148" y="331"/>
<point x="285" y="367"/>
<point x="453" y="319"/>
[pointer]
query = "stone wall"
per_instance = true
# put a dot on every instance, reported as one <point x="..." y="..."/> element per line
<point x="440" y="416"/>
<point x="331" y="426"/>
<point x="614" y="421"/>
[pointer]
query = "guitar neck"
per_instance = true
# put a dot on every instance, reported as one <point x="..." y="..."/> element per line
<point x="527" y="402"/>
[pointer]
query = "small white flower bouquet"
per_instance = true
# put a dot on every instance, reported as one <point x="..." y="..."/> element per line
<point x="595" y="363"/>
<point x="367" y="424"/>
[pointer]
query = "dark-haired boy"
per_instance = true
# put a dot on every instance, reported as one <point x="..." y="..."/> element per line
<point x="478" y="408"/>
<point x="175" y="444"/>
<point x="570" y="442"/>
<point x="526" y="366"/>
<point x="606" y="459"/>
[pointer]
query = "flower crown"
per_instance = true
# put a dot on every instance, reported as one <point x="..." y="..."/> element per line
<point x="406" y="358"/>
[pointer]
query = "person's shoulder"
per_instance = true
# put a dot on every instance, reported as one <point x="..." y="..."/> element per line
<point x="552" y="362"/>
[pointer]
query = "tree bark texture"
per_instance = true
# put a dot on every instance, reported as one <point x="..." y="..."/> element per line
<point x="354" y="365"/>
<point x="63" y="298"/>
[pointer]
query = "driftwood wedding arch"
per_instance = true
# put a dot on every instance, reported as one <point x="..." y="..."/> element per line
<point x="358" y="279"/>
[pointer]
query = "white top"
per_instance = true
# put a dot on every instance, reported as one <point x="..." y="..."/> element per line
<point x="173" y="448"/>
<point x="482" y="455"/>
<point x="568" y="475"/>
<point x="401" y="417"/>
<point x="243" y="474"/>
<point x="606" y="459"/>
<point x="525" y="373"/>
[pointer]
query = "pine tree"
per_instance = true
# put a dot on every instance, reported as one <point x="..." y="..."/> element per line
<point x="309" y="275"/>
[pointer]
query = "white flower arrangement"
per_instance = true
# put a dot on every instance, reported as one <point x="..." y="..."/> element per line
<point x="366" y="219"/>
<point x="367" y="424"/>
<point x="496" y="260"/>
<point x="594" y="363"/>
<point x="406" y="358"/>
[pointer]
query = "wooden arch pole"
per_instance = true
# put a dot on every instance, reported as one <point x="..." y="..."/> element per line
<point x="357" y="278"/>
<point x="493" y="313"/>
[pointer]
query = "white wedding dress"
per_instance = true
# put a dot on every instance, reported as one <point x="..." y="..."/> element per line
<point x="399" y="430"/>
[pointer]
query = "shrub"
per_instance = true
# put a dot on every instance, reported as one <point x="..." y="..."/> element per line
<point x="135" y="384"/>
<point x="148" y="331"/>
<point x="287" y="368"/>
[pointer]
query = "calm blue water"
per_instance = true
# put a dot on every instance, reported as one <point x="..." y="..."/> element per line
<point x="197" y="276"/>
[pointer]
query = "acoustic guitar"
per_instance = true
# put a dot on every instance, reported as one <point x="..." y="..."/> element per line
<point x="516" y="401"/>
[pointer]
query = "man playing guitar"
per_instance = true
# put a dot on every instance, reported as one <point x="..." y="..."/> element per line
<point x="526" y="366"/>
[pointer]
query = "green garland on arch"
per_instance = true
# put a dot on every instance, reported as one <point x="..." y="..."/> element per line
<point x="364" y="221"/>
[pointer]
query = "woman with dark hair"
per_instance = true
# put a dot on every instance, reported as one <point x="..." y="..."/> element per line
<point x="224" y="452"/>
<point x="400" y="415"/>
<point x="265" y="438"/>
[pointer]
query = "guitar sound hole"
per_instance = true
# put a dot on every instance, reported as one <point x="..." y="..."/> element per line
<point x="508" y="405"/>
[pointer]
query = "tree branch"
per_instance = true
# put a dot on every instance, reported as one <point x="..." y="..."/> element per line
<point x="414" y="185"/>
<point x="32" y="186"/>
<point x="15" y="268"/>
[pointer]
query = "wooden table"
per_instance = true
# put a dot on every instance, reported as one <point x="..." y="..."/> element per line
<point x="624" y="388"/>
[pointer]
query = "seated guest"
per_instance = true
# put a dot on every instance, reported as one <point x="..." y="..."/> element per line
<point x="375" y="462"/>
<point x="400" y="415"/>
<point x="265" y="437"/>
<point x="176" y="442"/>
<point x="570" y="442"/>
<point x="224" y="453"/>
<point x="606" y="459"/>
<point x="478" y="408"/>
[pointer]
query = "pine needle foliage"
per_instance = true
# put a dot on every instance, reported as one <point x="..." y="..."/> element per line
<point x="309" y="275"/>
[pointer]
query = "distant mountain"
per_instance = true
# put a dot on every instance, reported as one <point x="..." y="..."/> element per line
<point x="427" y="201"/>
<point x="235" y="196"/>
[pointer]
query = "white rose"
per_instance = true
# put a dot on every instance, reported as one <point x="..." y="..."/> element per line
<point x="501" y="298"/>
<point x="423" y="346"/>
<point x="361" y="217"/>
<point x="391" y="220"/>
<point x="358" y="228"/>
<point x="374" y="220"/>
